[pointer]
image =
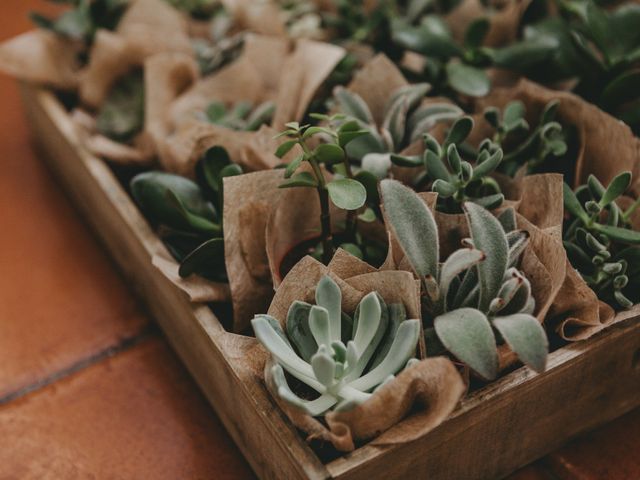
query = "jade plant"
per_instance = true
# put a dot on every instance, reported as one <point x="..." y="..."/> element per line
<point x="341" y="359"/>
<point x="346" y="189"/>
<point x="405" y="121"/>
<point x="600" y="242"/>
<point x="83" y="19"/>
<point x="523" y="145"/>
<point x="121" y="115"/>
<point x="477" y="297"/>
<point x="189" y="214"/>
<point x="241" y="116"/>
<point x="454" y="179"/>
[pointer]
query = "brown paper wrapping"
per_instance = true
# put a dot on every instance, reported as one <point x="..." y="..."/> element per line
<point x="267" y="70"/>
<point x="42" y="57"/>
<point x="248" y="200"/>
<point x="429" y="389"/>
<point x="503" y="24"/>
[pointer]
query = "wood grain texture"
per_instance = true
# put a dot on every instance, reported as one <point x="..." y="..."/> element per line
<point x="498" y="429"/>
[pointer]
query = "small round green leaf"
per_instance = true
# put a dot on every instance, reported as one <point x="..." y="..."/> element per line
<point x="467" y="80"/>
<point x="347" y="193"/>
<point x="329" y="153"/>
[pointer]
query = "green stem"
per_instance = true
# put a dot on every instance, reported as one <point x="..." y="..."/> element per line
<point x="325" y="214"/>
<point x="352" y="215"/>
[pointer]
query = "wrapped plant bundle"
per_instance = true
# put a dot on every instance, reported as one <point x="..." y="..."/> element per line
<point x="375" y="338"/>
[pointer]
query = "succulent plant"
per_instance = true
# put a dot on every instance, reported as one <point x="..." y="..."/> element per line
<point x="600" y="242"/>
<point x="405" y="122"/>
<point x="522" y="144"/>
<point x="347" y="190"/>
<point x="460" y="67"/>
<point x="454" y="179"/>
<point x="341" y="359"/>
<point x="83" y="19"/>
<point x="188" y="214"/>
<point x="121" y="115"/>
<point x="242" y="116"/>
<point x="198" y="9"/>
<point x="597" y="48"/>
<point x="477" y="290"/>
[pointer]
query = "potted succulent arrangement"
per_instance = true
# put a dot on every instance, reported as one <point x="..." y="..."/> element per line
<point x="417" y="212"/>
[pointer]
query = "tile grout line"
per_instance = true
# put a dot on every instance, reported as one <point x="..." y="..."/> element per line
<point x="122" y="346"/>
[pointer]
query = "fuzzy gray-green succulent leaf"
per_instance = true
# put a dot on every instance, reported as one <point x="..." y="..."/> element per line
<point x="488" y="236"/>
<point x="526" y="337"/>
<point x="414" y="226"/>
<point x="467" y="334"/>
<point x="457" y="263"/>
<point x="353" y="105"/>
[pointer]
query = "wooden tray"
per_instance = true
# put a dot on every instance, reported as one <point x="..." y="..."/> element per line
<point x="496" y="430"/>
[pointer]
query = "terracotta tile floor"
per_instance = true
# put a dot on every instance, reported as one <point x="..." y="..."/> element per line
<point x="88" y="386"/>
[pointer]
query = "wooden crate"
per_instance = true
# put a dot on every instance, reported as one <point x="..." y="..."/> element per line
<point x="496" y="430"/>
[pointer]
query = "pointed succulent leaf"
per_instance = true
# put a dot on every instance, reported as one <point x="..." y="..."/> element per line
<point x="406" y="161"/>
<point x="194" y="221"/>
<point x="618" y="234"/>
<point x="298" y="329"/>
<point x="278" y="346"/>
<point x="488" y="236"/>
<point x="313" y="407"/>
<point x="490" y="202"/>
<point x="507" y="219"/>
<point x="411" y="93"/>
<point x="329" y="296"/>
<point x="369" y="314"/>
<point x="413" y="225"/>
<point x="367" y="322"/>
<point x="293" y="166"/>
<point x="572" y="204"/>
<point x="402" y="349"/>
<point x="467" y="334"/>
<point x="526" y="337"/>
<point x="488" y="166"/>
<point x="436" y="168"/>
<point x="353" y="105"/>
<point x="458" y="262"/>
<point x="616" y="188"/>
<point x="443" y="188"/>
<point x="518" y="241"/>
<point x="397" y="314"/>
<point x="285" y="147"/>
<point x="505" y="294"/>
<point x="396" y="120"/>
<point x="324" y="367"/>
<point x="459" y="131"/>
<point x="207" y="260"/>
<point x="319" y="325"/>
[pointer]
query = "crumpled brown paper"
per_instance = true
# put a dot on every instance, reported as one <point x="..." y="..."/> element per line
<point x="42" y="57"/>
<point x="267" y="70"/>
<point x="429" y="389"/>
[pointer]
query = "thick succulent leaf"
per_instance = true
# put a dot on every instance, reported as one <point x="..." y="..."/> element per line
<point x="329" y="296"/>
<point x="313" y="407"/>
<point x="616" y="188"/>
<point x="436" y="168"/>
<point x="207" y="260"/>
<point x="368" y="330"/>
<point x="467" y="334"/>
<point x="572" y="204"/>
<point x="518" y="241"/>
<point x="324" y="367"/>
<point x="467" y="286"/>
<point x="347" y="193"/>
<point x="320" y="326"/>
<point x="413" y="225"/>
<point x="397" y="314"/>
<point x="396" y="120"/>
<point x="406" y="161"/>
<point x="402" y="349"/>
<point x="299" y="331"/>
<point x="353" y="105"/>
<point x="459" y="131"/>
<point x="526" y="337"/>
<point x="192" y="220"/>
<point x="467" y="80"/>
<point x="149" y="189"/>
<point x="507" y="219"/>
<point x="458" y="262"/>
<point x="282" y="351"/>
<point x="618" y="234"/>
<point x="488" y="236"/>
<point x="214" y="161"/>
<point x="488" y="166"/>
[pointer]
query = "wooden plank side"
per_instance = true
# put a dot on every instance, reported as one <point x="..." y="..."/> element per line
<point x="504" y="427"/>
<point x="271" y="445"/>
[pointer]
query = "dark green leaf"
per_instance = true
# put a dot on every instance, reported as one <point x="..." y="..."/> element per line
<point x="207" y="260"/>
<point x="467" y="80"/>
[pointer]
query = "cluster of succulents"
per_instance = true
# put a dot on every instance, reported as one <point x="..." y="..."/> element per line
<point x="600" y="242"/>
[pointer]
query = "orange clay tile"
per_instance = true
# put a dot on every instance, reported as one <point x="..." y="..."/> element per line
<point x="61" y="300"/>
<point x="611" y="452"/>
<point x="135" y="416"/>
